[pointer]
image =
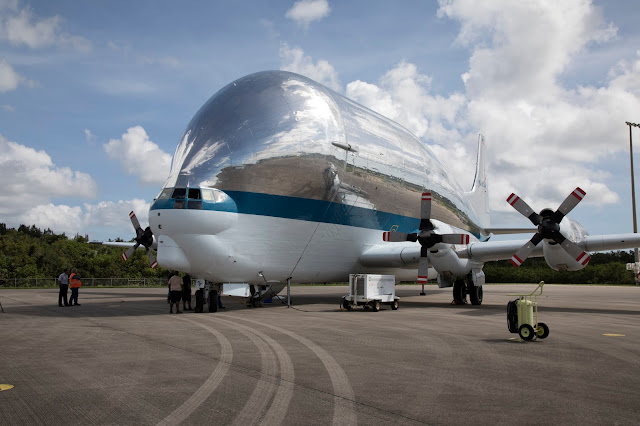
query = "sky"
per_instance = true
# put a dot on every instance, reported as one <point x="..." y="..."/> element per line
<point x="95" y="95"/>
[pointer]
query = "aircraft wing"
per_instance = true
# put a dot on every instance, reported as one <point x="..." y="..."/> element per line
<point x="125" y="244"/>
<point x="408" y="255"/>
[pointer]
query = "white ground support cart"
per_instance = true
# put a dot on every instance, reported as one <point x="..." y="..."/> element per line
<point x="371" y="291"/>
<point x="522" y="316"/>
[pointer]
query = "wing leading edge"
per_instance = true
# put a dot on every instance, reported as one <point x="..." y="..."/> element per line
<point x="407" y="256"/>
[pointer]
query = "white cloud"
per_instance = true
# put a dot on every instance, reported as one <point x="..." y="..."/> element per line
<point x="89" y="137"/>
<point x="9" y="79"/>
<point x="404" y="95"/>
<point x="7" y="107"/>
<point x="30" y="178"/>
<point x="294" y="60"/>
<point x="545" y="138"/>
<point x="110" y="218"/>
<point x="304" y="12"/>
<point x="20" y="27"/>
<point x="140" y="156"/>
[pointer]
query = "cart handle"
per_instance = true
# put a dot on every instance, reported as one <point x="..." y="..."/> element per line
<point x="533" y="293"/>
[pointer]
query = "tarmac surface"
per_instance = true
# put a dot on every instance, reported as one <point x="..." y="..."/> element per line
<point x="121" y="358"/>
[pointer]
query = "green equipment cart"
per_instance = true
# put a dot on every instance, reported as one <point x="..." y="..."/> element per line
<point x="522" y="316"/>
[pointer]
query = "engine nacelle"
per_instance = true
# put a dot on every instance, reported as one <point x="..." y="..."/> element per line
<point x="555" y="256"/>
<point x="447" y="263"/>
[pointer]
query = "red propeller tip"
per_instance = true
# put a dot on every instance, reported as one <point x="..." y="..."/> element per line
<point x="579" y="193"/>
<point x="513" y="198"/>
<point x="584" y="258"/>
<point x="516" y="261"/>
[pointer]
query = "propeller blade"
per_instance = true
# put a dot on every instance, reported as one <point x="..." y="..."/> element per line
<point x="134" y="221"/>
<point x="395" y="237"/>
<point x="425" y="206"/>
<point x="455" y="238"/>
<point x="127" y="254"/>
<point x="568" y="204"/>
<point x="423" y="270"/>
<point x="576" y="252"/>
<point x="523" y="208"/>
<point x="152" y="260"/>
<point x="523" y="252"/>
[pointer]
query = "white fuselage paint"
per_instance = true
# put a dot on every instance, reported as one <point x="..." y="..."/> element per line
<point x="232" y="247"/>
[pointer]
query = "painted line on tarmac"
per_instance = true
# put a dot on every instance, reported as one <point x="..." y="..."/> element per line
<point x="343" y="395"/>
<point x="614" y="335"/>
<point x="4" y="387"/>
<point x="181" y="413"/>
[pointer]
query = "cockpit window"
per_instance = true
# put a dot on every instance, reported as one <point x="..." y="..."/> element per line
<point x="164" y="194"/>
<point x="179" y="193"/>
<point x="194" y="193"/>
<point x="207" y="195"/>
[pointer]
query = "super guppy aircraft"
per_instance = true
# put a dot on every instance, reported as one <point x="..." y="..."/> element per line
<point x="278" y="177"/>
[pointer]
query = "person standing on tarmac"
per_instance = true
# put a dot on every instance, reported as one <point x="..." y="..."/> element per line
<point x="74" y="284"/>
<point x="186" y="292"/>
<point x="63" y="283"/>
<point x="175" y="292"/>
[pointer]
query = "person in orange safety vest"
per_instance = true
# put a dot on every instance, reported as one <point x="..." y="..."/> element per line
<point x="74" y="284"/>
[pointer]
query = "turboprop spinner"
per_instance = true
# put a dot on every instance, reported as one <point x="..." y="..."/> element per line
<point x="548" y="223"/>
<point x="426" y="236"/>
<point x="144" y="238"/>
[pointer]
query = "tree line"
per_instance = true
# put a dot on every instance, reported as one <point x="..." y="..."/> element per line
<point x="29" y="252"/>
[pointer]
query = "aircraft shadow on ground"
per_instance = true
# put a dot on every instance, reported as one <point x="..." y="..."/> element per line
<point x="132" y="304"/>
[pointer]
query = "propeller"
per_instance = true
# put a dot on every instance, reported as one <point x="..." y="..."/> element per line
<point x="426" y="236"/>
<point x="144" y="238"/>
<point x="548" y="223"/>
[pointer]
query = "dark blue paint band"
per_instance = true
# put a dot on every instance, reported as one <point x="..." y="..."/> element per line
<point x="304" y="209"/>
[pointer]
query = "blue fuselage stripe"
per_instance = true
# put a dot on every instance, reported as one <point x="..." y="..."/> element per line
<point x="304" y="209"/>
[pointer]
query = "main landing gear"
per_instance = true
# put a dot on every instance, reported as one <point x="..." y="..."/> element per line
<point x="207" y="296"/>
<point x="464" y="286"/>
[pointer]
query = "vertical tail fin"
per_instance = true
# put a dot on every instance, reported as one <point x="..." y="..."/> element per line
<point x="479" y="194"/>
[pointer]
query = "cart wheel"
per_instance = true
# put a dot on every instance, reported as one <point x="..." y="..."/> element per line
<point x="346" y="304"/>
<point x="542" y="330"/>
<point x="375" y="305"/>
<point x="526" y="332"/>
<point x="394" y="305"/>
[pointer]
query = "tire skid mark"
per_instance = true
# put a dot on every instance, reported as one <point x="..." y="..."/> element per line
<point x="344" y="397"/>
<point x="282" y="399"/>
<point x="257" y="402"/>
<point x="206" y="389"/>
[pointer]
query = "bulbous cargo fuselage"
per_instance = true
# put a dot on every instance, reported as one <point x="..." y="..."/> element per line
<point x="277" y="173"/>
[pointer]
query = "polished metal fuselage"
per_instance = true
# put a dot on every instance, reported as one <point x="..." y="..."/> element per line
<point x="282" y="134"/>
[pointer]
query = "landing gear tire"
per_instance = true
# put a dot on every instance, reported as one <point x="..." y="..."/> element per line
<point x="542" y="330"/>
<point x="346" y="304"/>
<point x="394" y="305"/>
<point x="375" y="305"/>
<point x="199" y="301"/>
<point x="213" y="301"/>
<point x="526" y="332"/>
<point x="459" y="292"/>
<point x="475" y="294"/>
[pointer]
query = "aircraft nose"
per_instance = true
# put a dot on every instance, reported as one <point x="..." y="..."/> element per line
<point x="206" y="222"/>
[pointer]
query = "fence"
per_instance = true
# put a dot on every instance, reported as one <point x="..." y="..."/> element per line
<point x="86" y="282"/>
